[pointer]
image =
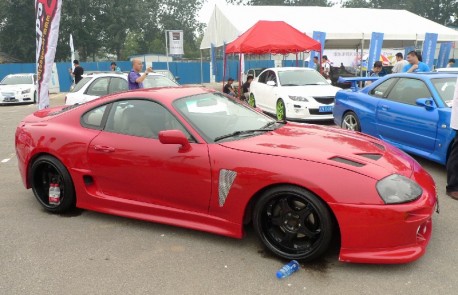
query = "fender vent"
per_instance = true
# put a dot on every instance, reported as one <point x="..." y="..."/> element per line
<point x="374" y="157"/>
<point x="347" y="161"/>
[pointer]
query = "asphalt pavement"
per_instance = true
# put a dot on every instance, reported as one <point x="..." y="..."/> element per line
<point x="92" y="253"/>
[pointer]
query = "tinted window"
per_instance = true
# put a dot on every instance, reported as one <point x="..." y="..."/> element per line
<point x="408" y="91"/>
<point x="117" y="85"/>
<point x="80" y="84"/>
<point x="93" y="118"/>
<point x="99" y="87"/>
<point x="141" y="118"/>
<point x="445" y="87"/>
<point x="17" y="79"/>
<point x="271" y="77"/>
<point x="382" y="89"/>
<point x="262" y="77"/>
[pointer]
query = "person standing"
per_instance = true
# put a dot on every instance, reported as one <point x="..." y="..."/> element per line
<point x="114" y="67"/>
<point x="78" y="72"/>
<point x="400" y="63"/>
<point x="135" y="79"/>
<point x="415" y="65"/>
<point x="317" y="63"/>
<point x="452" y="162"/>
<point x="451" y="63"/>
<point x="246" y="88"/>
<point x="326" y="65"/>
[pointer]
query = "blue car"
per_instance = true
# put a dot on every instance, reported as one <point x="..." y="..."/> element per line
<point x="409" y="111"/>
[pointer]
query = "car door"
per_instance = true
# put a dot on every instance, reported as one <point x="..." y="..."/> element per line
<point x="400" y="120"/>
<point x="265" y="93"/>
<point x="129" y="162"/>
<point x="97" y="88"/>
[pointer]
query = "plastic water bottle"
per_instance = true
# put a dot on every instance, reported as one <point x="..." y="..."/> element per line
<point x="57" y="194"/>
<point x="54" y="194"/>
<point x="288" y="269"/>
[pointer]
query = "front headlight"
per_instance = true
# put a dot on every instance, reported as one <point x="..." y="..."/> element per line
<point x="25" y="91"/>
<point x="298" y="98"/>
<point x="397" y="189"/>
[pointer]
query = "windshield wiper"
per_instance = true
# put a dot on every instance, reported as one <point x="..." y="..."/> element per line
<point x="289" y="85"/>
<point x="312" y="84"/>
<point x="242" y="132"/>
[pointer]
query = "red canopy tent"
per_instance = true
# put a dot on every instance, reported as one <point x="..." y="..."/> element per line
<point x="275" y="37"/>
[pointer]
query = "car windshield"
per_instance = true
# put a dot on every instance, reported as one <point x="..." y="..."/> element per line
<point x="166" y="73"/>
<point x="301" y="78"/>
<point x="445" y="87"/>
<point x="217" y="117"/>
<point x="15" y="80"/>
<point x="158" y="81"/>
<point x="80" y="84"/>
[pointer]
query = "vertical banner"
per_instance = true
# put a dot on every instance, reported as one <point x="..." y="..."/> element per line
<point x="176" y="42"/>
<point x="429" y="49"/>
<point x="320" y="37"/>
<point x="47" y="19"/>
<point x="213" y="58"/>
<point x="375" y="49"/>
<point x="444" y="54"/>
<point x="72" y="51"/>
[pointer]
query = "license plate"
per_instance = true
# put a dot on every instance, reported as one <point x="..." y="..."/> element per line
<point x="325" y="109"/>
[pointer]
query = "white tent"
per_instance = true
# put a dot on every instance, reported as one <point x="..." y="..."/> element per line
<point x="344" y="27"/>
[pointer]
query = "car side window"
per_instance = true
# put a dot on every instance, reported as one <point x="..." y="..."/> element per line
<point x="99" y="87"/>
<point x="382" y="89"/>
<point x="117" y="85"/>
<point x="93" y="118"/>
<point x="271" y="76"/>
<point x="408" y="90"/>
<point x="262" y="77"/>
<point x="142" y="118"/>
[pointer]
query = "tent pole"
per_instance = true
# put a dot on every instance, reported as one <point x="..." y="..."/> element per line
<point x="297" y="62"/>
<point x="201" y="68"/>
<point x="239" y="72"/>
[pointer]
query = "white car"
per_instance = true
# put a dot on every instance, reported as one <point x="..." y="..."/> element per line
<point x="18" y="88"/>
<point x="298" y="94"/>
<point x="98" y="84"/>
<point x="447" y="70"/>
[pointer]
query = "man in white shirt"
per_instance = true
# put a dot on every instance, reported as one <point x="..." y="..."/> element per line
<point x="452" y="162"/>
<point x="400" y="63"/>
<point x="326" y="65"/>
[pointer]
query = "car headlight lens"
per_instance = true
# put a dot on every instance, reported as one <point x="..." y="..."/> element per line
<point x="25" y="91"/>
<point x="298" y="98"/>
<point x="397" y="189"/>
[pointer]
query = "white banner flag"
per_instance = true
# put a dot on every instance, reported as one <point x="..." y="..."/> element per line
<point x="176" y="43"/>
<point x="72" y="52"/>
<point x="47" y="19"/>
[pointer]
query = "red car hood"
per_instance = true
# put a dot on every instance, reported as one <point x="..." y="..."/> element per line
<point x="349" y="150"/>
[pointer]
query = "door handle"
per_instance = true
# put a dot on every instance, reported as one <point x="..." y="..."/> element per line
<point x="102" y="148"/>
<point x="385" y="107"/>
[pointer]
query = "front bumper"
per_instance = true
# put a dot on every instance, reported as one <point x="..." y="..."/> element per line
<point x="16" y="98"/>
<point x="388" y="234"/>
<point x="299" y="111"/>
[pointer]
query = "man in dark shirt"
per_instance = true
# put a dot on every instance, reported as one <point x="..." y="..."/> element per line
<point x="228" y="87"/>
<point x="246" y="88"/>
<point x="77" y="72"/>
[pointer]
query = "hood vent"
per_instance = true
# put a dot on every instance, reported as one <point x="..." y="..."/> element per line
<point x="374" y="157"/>
<point x="347" y="161"/>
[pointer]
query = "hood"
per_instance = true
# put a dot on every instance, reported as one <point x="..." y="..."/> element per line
<point x="14" y="88"/>
<point x="311" y="90"/>
<point x="346" y="149"/>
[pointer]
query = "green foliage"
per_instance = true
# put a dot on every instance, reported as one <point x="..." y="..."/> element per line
<point x="100" y="27"/>
<point x="282" y="2"/>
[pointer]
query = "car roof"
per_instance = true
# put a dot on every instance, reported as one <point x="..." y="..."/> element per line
<point x="290" y="69"/>
<point x="426" y="75"/>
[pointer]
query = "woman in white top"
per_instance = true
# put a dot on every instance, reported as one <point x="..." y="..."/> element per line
<point x="452" y="162"/>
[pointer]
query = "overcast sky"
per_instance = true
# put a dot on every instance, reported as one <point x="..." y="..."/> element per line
<point x="207" y="9"/>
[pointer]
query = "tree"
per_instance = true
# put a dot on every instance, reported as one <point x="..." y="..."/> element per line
<point x="283" y="2"/>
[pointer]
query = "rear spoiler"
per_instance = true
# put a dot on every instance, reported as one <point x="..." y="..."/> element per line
<point x="354" y="81"/>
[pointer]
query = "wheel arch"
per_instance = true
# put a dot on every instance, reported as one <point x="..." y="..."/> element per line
<point x="34" y="158"/>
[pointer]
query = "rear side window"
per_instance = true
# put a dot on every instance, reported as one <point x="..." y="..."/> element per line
<point x="408" y="91"/>
<point x="117" y="85"/>
<point x="93" y="118"/>
<point x="382" y="90"/>
<point x="80" y="84"/>
<point x="99" y="87"/>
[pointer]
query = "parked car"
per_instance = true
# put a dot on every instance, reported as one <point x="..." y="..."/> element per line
<point x="94" y="85"/>
<point x="293" y="94"/>
<point x="447" y="70"/>
<point x="168" y="74"/>
<point x="195" y="158"/>
<point x="18" y="88"/>
<point x="410" y="111"/>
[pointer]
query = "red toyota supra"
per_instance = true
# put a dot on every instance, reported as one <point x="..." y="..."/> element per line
<point x="194" y="158"/>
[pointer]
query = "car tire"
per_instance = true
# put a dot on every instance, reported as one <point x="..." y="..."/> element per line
<point x="252" y="100"/>
<point x="293" y="223"/>
<point x="43" y="171"/>
<point x="350" y="121"/>
<point x="280" y="110"/>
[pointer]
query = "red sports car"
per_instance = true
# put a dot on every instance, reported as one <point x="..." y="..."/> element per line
<point x="195" y="158"/>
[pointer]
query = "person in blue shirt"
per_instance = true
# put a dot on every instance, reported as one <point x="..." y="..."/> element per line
<point x="415" y="64"/>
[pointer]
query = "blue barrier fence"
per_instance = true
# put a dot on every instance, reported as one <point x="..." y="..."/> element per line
<point x="188" y="72"/>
